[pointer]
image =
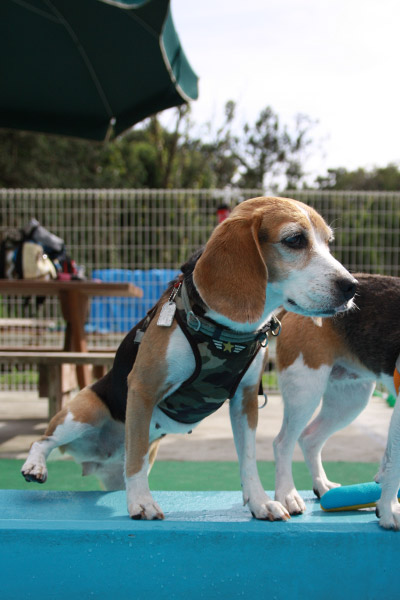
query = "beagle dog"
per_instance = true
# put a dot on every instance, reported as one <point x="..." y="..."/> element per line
<point x="339" y="359"/>
<point x="269" y="252"/>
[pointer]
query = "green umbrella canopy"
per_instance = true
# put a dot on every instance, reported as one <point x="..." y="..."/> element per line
<point x="73" y="67"/>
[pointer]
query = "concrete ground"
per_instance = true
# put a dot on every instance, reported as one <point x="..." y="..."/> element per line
<point x="23" y="418"/>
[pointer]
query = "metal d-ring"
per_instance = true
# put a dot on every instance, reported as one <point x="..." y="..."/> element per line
<point x="193" y="321"/>
<point x="264" y="403"/>
<point x="262" y="339"/>
<point x="276" y="327"/>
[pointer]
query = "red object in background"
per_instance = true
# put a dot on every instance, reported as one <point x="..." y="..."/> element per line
<point x="69" y="266"/>
<point x="64" y="276"/>
<point x="222" y="212"/>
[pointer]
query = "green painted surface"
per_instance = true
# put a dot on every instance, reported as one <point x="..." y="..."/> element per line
<point x="183" y="476"/>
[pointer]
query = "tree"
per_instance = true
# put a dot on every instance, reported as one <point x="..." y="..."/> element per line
<point x="154" y="156"/>
<point x="269" y="153"/>
<point x="377" y="179"/>
<point x="149" y="156"/>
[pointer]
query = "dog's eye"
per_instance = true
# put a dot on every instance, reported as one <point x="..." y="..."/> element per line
<point x="296" y="241"/>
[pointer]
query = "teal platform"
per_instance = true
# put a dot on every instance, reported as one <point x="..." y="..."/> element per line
<point x="62" y="545"/>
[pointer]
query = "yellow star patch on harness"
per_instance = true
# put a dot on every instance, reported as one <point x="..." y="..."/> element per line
<point x="228" y="347"/>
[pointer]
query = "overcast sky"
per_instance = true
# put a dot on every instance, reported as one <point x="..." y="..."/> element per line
<point x="337" y="61"/>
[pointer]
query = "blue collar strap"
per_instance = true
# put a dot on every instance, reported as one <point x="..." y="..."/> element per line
<point x="224" y="334"/>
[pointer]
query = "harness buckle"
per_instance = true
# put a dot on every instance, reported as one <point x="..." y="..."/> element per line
<point x="193" y="321"/>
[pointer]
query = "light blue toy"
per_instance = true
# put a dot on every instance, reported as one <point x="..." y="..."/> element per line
<point x="352" y="497"/>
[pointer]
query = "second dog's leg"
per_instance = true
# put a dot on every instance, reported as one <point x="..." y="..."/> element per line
<point x="388" y="507"/>
<point x="302" y="389"/>
<point x="342" y="403"/>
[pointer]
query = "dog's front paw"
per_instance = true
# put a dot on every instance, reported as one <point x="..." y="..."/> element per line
<point x="292" y="501"/>
<point x="268" y="510"/>
<point x="145" y="508"/>
<point x="34" y="471"/>
<point x="388" y="514"/>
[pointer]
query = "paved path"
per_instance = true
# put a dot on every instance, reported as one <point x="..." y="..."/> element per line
<point x="23" y="419"/>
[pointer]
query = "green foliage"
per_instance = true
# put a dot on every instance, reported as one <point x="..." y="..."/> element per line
<point x="153" y="156"/>
<point x="270" y="150"/>
<point x="35" y="160"/>
<point x="383" y="179"/>
<point x="367" y="222"/>
<point x="15" y="376"/>
<point x="366" y="228"/>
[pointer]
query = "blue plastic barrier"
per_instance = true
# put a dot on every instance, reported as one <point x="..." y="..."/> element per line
<point x="82" y="544"/>
<point x="121" y="314"/>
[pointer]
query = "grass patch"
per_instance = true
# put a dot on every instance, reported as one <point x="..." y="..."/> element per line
<point x="270" y="380"/>
<point x="16" y="377"/>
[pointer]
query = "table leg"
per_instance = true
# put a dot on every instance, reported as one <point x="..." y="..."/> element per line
<point x="54" y="385"/>
<point x="74" y="306"/>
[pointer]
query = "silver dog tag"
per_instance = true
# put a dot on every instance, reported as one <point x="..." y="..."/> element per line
<point x="166" y="316"/>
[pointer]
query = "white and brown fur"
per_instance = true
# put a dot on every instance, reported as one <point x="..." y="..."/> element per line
<point x="338" y="359"/>
<point x="269" y="252"/>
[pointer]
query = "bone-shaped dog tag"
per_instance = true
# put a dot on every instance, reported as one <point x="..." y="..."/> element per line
<point x="166" y="316"/>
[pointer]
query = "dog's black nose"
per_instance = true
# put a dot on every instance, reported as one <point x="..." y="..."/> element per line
<point x="347" y="287"/>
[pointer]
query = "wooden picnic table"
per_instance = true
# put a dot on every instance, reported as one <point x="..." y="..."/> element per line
<point x="74" y="301"/>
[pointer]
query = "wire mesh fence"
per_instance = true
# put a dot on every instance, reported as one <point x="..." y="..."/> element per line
<point x="145" y="235"/>
<point x="367" y="227"/>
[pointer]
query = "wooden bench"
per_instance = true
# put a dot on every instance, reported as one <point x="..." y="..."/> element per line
<point x="23" y="323"/>
<point x="53" y="361"/>
<point x="25" y="332"/>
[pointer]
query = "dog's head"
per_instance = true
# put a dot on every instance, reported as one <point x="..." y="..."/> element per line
<point x="271" y="252"/>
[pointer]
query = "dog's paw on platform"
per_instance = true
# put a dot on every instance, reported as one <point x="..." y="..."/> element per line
<point x="146" y="509"/>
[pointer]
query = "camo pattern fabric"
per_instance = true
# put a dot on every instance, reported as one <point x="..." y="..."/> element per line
<point x="220" y="366"/>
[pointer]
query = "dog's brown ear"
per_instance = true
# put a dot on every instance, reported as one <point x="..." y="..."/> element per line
<point x="231" y="275"/>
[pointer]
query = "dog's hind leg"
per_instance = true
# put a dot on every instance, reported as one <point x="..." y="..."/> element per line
<point x="111" y="476"/>
<point x="61" y="431"/>
<point x="81" y="416"/>
<point x="302" y="388"/>
<point x="153" y="449"/>
<point x="342" y="403"/>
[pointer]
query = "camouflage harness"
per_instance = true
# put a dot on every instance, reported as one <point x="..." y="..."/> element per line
<point x="222" y="358"/>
